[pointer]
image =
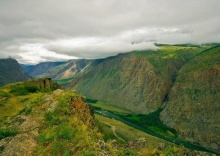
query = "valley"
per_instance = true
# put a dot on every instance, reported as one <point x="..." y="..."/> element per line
<point x="149" y="124"/>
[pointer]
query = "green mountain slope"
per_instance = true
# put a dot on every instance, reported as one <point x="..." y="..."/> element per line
<point x="138" y="81"/>
<point x="10" y="71"/>
<point x="193" y="105"/>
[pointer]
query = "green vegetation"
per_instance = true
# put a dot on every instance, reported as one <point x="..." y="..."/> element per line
<point x="7" y="132"/>
<point x="150" y="124"/>
<point x="151" y="121"/>
<point x="4" y="94"/>
<point x="24" y="89"/>
<point x="19" y="98"/>
<point x="123" y="131"/>
<point x="64" y="130"/>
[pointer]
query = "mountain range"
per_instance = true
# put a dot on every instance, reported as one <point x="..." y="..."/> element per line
<point x="179" y="82"/>
<point x="183" y="81"/>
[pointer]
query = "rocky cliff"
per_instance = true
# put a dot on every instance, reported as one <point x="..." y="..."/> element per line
<point x="10" y="71"/>
<point x="193" y="105"/>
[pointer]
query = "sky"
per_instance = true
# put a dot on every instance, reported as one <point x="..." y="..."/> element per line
<point x="34" y="31"/>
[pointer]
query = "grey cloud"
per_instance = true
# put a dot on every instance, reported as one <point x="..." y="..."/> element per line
<point x="44" y="21"/>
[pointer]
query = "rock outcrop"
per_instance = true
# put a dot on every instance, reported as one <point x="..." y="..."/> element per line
<point x="86" y="113"/>
<point x="44" y="83"/>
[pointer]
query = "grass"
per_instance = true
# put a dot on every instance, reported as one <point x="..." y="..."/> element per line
<point x="151" y="121"/>
<point x="16" y="99"/>
<point x="64" y="132"/>
<point x="124" y="131"/>
<point x="4" y="94"/>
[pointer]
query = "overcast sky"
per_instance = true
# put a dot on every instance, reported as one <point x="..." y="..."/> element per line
<point x="34" y="31"/>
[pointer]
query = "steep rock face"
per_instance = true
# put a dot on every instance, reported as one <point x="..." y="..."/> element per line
<point x="138" y="81"/>
<point x="193" y="107"/>
<point x="86" y="113"/>
<point x="10" y="71"/>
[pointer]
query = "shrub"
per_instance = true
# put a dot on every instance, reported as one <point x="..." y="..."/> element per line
<point x="31" y="88"/>
<point x="20" y="90"/>
<point x="7" y="132"/>
<point x="51" y="118"/>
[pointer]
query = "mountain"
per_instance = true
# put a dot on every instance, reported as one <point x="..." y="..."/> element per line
<point x="27" y="68"/>
<point x="193" y="105"/>
<point x="177" y="85"/>
<point x="39" y="69"/>
<point x="67" y="70"/>
<point x="180" y="82"/>
<point x="11" y="71"/>
<point x="57" y="70"/>
<point x="138" y="81"/>
<point x="45" y="120"/>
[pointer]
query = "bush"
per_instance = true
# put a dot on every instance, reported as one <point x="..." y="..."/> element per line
<point x="65" y="133"/>
<point x="20" y="90"/>
<point x="7" y="132"/>
<point x="31" y="88"/>
<point x="51" y="118"/>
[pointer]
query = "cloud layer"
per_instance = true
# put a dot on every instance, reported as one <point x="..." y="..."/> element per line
<point x="48" y="30"/>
